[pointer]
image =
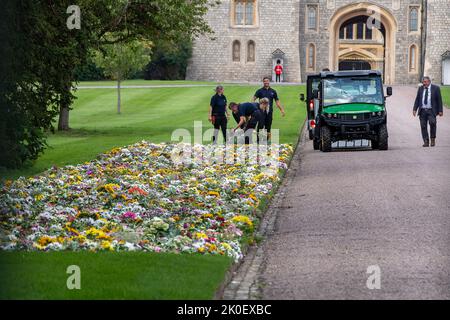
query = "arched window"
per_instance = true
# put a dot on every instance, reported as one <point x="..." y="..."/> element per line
<point x="251" y="51"/>
<point x="311" y="57"/>
<point x="312" y="17"/>
<point x="244" y="12"/>
<point x="236" y="51"/>
<point x="413" y="19"/>
<point x="413" y="58"/>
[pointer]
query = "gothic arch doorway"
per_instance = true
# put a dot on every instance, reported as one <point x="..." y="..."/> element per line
<point x="363" y="32"/>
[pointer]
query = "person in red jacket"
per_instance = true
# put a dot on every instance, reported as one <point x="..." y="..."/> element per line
<point x="278" y="71"/>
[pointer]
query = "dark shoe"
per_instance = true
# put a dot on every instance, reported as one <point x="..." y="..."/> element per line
<point x="433" y="142"/>
<point x="426" y="143"/>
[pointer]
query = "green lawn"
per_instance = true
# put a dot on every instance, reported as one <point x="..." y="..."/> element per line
<point x="142" y="83"/>
<point x="446" y="95"/>
<point x="36" y="275"/>
<point x="150" y="114"/>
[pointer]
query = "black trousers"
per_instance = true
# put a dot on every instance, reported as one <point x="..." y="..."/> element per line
<point x="268" y="119"/>
<point x="257" y="119"/>
<point x="278" y="78"/>
<point x="426" y="117"/>
<point x="219" y="122"/>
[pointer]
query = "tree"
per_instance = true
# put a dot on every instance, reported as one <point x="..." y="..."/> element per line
<point x="40" y="54"/>
<point x="120" y="60"/>
<point x="169" y="60"/>
<point x="153" y="20"/>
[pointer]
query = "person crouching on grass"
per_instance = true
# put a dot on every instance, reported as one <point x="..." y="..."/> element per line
<point x="218" y="114"/>
<point x="250" y="115"/>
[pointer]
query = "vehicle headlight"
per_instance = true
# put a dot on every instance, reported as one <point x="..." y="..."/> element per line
<point x="379" y="113"/>
<point x="335" y="115"/>
<point x="328" y="115"/>
<point x="373" y="114"/>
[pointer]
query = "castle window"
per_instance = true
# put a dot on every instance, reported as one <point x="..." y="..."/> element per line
<point x="236" y="51"/>
<point x="413" y="19"/>
<point x="311" y="57"/>
<point x="342" y="33"/>
<point x="413" y="59"/>
<point x="355" y="31"/>
<point x="244" y="12"/>
<point x="312" y="17"/>
<point x="349" y="31"/>
<point x="251" y="51"/>
<point x="360" y="30"/>
<point x="368" y="33"/>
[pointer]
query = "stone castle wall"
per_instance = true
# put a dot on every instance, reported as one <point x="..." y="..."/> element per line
<point x="282" y="25"/>
<point x="438" y="37"/>
<point x="277" y="29"/>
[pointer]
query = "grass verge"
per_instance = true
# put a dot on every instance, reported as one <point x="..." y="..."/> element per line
<point x="103" y="275"/>
<point x="446" y="95"/>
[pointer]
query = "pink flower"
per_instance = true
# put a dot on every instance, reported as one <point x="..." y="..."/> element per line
<point x="129" y="215"/>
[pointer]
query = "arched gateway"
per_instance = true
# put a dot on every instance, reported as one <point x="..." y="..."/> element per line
<point x="362" y="35"/>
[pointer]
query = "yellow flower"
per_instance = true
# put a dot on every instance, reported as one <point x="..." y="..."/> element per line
<point x="226" y="246"/>
<point x="39" y="197"/>
<point x="243" y="219"/>
<point x="201" y="249"/>
<point x="46" y="240"/>
<point x="110" y="187"/>
<point x="99" y="234"/>
<point x="38" y="246"/>
<point x="214" y="193"/>
<point x="107" y="245"/>
<point x="201" y="235"/>
<point x="259" y="177"/>
<point x="81" y="238"/>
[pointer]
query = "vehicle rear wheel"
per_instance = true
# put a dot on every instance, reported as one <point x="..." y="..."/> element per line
<point x="316" y="144"/>
<point x="383" y="137"/>
<point x="326" y="139"/>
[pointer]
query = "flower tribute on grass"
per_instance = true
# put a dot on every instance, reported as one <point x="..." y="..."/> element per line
<point x="136" y="198"/>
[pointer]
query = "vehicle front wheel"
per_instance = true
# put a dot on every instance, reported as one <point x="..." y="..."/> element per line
<point x="325" y="134"/>
<point x="383" y="137"/>
<point x="374" y="144"/>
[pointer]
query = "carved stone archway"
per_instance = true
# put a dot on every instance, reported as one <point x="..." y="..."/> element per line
<point x="378" y="13"/>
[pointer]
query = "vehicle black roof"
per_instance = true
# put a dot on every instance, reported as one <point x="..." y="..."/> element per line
<point x="350" y="73"/>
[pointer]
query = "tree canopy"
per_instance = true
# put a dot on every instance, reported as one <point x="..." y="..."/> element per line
<point x="40" y="53"/>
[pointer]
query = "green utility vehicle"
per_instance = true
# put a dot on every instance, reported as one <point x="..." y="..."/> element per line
<point x="346" y="105"/>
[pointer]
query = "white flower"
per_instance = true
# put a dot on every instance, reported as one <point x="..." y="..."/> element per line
<point x="130" y="246"/>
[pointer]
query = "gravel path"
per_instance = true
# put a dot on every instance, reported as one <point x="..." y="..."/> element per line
<point x="347" y="210"/>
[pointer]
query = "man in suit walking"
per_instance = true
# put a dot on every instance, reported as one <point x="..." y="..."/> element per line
<point x="428" y="106"/>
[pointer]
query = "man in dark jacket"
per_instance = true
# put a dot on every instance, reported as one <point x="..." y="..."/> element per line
<point x="267" y="92"/>
<point x="428" y="105"/>
<point x="250" y="116"/>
